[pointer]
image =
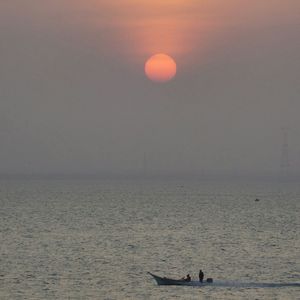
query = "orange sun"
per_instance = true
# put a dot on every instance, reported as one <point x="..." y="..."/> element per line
<point x="160" y="68"/>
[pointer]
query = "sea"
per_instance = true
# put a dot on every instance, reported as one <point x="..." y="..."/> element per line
<point x="98" y="238"/>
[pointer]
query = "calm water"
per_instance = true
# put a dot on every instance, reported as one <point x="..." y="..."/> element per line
<point x="97" y="239"/>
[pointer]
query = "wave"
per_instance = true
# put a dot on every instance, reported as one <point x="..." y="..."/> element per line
<point x="253" y="284"/>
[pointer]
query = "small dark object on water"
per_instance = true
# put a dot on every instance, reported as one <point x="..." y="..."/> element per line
<point x="210" y="280"/>
<point x="169" y="281"/>
<point x="256" y="200"/>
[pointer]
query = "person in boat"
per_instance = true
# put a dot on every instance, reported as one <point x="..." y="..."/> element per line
<point x="201" y="276"/>
<point x="188" y="278"/>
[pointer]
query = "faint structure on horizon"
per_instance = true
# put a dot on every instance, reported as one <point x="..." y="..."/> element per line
<point x="145" y="165"/>
<point x="284" y="161"/>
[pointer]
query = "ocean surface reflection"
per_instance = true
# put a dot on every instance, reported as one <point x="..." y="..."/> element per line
<point x="94" y="239"/>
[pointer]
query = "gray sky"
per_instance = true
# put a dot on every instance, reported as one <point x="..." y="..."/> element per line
<point x="74" y="98"/>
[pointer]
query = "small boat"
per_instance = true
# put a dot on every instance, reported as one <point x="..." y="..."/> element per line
<point x="170" y="281"/>
<point x="219" y="283"/>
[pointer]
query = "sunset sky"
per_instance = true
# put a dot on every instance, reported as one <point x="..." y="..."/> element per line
<point x="74" y="96"/>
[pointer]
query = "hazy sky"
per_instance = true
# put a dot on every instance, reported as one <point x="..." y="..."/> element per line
<point x="74" y="98"/>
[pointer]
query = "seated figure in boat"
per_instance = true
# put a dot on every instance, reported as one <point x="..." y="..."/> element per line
<point x="188" y="278"/>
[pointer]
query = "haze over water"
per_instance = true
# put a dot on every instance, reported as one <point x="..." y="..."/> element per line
<point x="75" y="103"/>
<point x="97" y="239"/>
<point x="74" y="97"/>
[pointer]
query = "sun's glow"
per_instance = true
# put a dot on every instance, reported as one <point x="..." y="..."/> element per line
<point x="145" y="27"/>
<point x="160" y="68"/>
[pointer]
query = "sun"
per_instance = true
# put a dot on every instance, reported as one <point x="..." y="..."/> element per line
<point x="160" y="68"/>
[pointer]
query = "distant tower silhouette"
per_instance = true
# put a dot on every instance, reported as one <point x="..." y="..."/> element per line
<point x="145" y="165"/>
<point x="284" y="161"/>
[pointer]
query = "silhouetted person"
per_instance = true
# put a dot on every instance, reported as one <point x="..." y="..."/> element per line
<point x="188" y="278"/>
<point x="201" y="276"/>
